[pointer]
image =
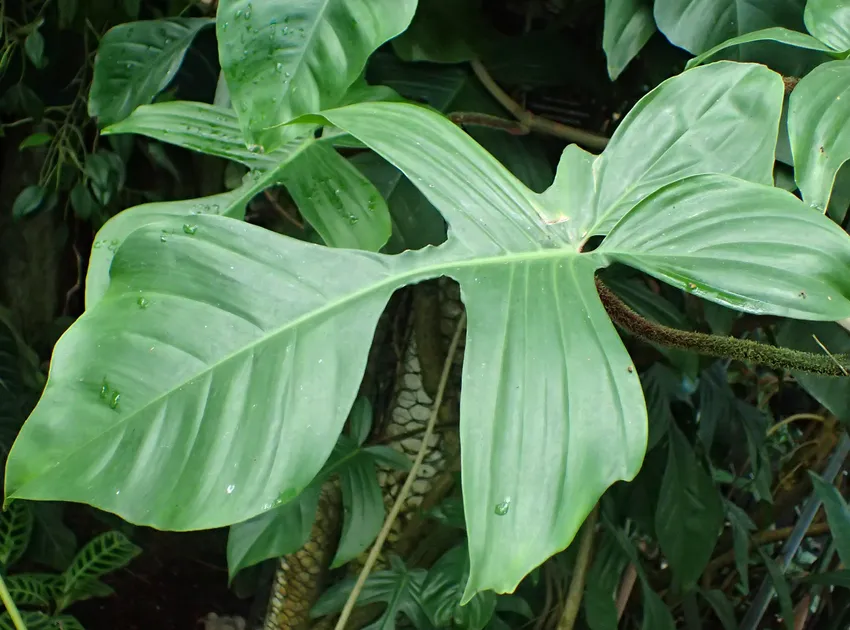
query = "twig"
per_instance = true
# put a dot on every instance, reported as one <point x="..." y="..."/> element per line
<point x="486" y="120"/>
<point x="408" y="483"/>
<point x="537" y="123"/>
<point x="282" y="211"/>
<point x="574" y="595"/>
<point x="797" y="416"/>
<point x="9" y="603"/>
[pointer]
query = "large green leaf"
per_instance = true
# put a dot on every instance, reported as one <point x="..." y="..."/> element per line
<point x="829" y="21"/>
<point x="284" y="59"/>
<point x="690" y="513"/>
<point x="773" y="34"/>
<point x="135" y="61"/>
<point x="818" y="111"/>
<point x="247" y="360"/>
<point x="628" y="26"/>
<point x="333" y="196"/>
<point x="697" y="25"/>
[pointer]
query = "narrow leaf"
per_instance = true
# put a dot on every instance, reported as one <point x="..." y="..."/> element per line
<point x="627" y="27"/>
<point x="773" y="34"/>
<point x="837" y="515"/>
<point x="364" y="510"/>
<point x="722" y="608"/>
<point x="783" y="592"/>
<point x="135" y="61"/>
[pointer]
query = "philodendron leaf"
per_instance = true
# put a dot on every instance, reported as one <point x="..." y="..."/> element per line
<point x="628" y="26"/>
<point x="341" y="204"/>
<point x="697" y="25"/>
<point x="829" y="21"/>
<point x="228" y="392"/>
<point x="135" y="61"/>
<point x="302" y="56"/>
<point x="773" y="34"/>
<point x="818" y="111"/>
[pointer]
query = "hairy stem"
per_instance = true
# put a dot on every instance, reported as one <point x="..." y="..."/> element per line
<point x="408" y="483"/>
<point x="574" y="595"/>
<point x="719" y="346"/>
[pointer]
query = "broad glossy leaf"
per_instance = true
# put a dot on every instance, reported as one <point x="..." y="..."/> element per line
<point x="695" y="229"/>
<point x="302" y="57"/>
<point x="773" y="34"/>
<point x="829" y="21"/>
<point x="832" y="393"/>
<point x="690" y="513"/>
<point x="342" y="205"/>
<point x="275" y="532"/>
<point x="725" y="120"/>
<point x="135" y="61"/>
<point x="818" y="111"/>
<point x="697" y="25"/>
<point x="110" y="237"/>
<point x="837" y="515"/>
<point x="628" y="26"/>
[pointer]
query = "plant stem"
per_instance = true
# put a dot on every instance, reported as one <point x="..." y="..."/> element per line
<point x="537" y="123"/>
<point x="574" y="595"/>
<point x="10" y="606"/>
<point x="408" y="483"/>
<point x="717" y="345"/>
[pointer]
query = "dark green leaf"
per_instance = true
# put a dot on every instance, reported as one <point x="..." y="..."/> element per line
<point x="35" y="140"/>
<point x="628" y="26"/>
<point x="832" y="393"/>
<point x="833" y="578"/>
<point x="661" y="386"/>
<point x="360" y="419"/>
<point x="690" y="512"/>
<point x="442" y="591"/>
<point x="364" y="509"/>
<point x="135" y="61"/>
<point x="722" y="608"/>
<point x="450" y="512"/>
<point x="20" y="99"/>
<point x="67" y="12"/>
<point x="15" y="531"/>
<point x="742" y="525"/>
<point x="514" y="604"/>
<point x="34" y="47"/>
<point x="106" y="173"/>
<point x="296" y="65"/>
<point x="829" y="21"/>
<point x="53" y="543"/>
<point x="719" y="20"/>
<point x="600" y="610"/>
<point x="388" y="456"/>
<point x="83" y="202"/>
<point x="783" y="592"/>
<point x="656" y="615"/>
<point x="276" y="532"/>
<point x="818" y="110"/>
<point x="28" y="201"/>
<point x="837" y="515"/>
<point x="37" y="621"/>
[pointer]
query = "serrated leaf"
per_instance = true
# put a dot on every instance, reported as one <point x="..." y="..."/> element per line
<point x="289" y="324"/>
<point x="298" y="65"/>
<point x="399" y="587"/>
<point x="773" y="34"/>
<point x="34" y="589"/>
<point x="829" y="21"/>
<point x="15" y="531"/>
<point x="364" y="510"/>
<point x="837" y="515"/>
<point x="818" y="110"/>
<point x="628" y="26"/>
<point x="720" y="20"/>
<point x="276" y="532"/>
<point x="135" y="61"/>
<point x="690" y="513"/>
<point x="102" y="555"/>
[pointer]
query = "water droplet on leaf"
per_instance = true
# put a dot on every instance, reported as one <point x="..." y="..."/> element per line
<point x="190" y="229"/>
<point x="143" y="302"/>
<point x="503" y="507"/>
<point x="113" y="401"/>
<point x="230" y="488"/>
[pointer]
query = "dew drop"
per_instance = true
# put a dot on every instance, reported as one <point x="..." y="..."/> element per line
<point x="113" y="401"/>
<point x="503" y="507"/>
<point x="104" y="389"/>
<point x="352" y="220"/>
<point x="143" y="302"/>
<point x="278" y="67"/>
<point x="230" y="489"/>
<point x="190" y="229"/>
<point x="164" y="236"/>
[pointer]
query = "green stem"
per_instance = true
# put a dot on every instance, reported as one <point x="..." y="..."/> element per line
<point x="10" y="606"/>
<point x="719" y="346"/>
